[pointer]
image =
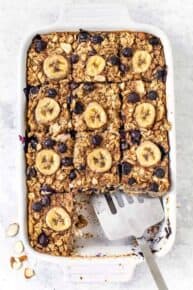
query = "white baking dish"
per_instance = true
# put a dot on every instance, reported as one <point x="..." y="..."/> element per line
<point x="99" y="259"/>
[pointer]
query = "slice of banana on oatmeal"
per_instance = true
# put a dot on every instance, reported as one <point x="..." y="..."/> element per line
<point x="144" y="115"/>
<point x="47" y="161"/>
<point x="148" y="154"/>
<point x="141" y="61"/>
<point x="95" y="116"/>
<point x="58" y="219"/>
<point x="95" y="65"/>
<point x="56" y="67"/>
<point x="99" y="160"/>
<point x="47" y="110"/>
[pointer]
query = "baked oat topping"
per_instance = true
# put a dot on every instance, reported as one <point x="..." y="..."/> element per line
<point x="96" y="120"/>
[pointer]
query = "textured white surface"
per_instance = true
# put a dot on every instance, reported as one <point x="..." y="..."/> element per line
<point x="174" y="17"/>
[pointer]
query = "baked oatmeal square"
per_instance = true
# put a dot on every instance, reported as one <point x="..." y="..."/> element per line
<point x="47" y="111"/>
<point x="96" y="159"/>
<point x="95" y="106"/>
<point x="144" y="105"/>
<point x="141" y="56"/>
<point x="96" y="57"/>
<point x="49" y="162"/>
<point x="51" y="222"/>
<point x="145" y="162"/>
<point x="49" y="57"/>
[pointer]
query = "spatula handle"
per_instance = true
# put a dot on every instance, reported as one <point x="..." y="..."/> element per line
<point x="153" y="267"/>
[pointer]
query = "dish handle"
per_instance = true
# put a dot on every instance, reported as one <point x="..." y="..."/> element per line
<point x="96" y="15"/>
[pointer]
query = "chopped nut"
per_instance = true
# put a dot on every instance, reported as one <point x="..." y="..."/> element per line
<point x="15" y="263"/>
<point x="66" y="47"/>
<point x="29" y="273"/>
<point x="19" y="247"/>
<point x="23" y="258"/>
<point x="12" y="230"/>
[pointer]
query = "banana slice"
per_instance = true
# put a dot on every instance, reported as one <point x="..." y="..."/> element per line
<point x="95" y="116"/>
<point x="145" y="115"/>
<point x="148" y="154"/>
<point x="58" y="219"/>
<point x="95" y="65"/>
<point x="99" y="160"/>
<point x="56" y="67"/>
<point x="141" y="61"/>
<point x="47" y="110"/>
<point x="47" y="161"/>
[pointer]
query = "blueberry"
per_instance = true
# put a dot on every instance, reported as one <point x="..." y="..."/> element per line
<point x="127" y="51"/>
<point x="69" y="100"/>
<point x="40" y="45"/>
<point x="79" y="108"/>
<point x="67" y="161"/>
<point x="114" y="60"/>
<point x="73" y="134"/>
<point x="161" y="74"/>
<point x="163" y="151"/>
<point x="152" y="95"/>
<point x="37" y="37"/>
<point x="159" y="172"/>
<point x="96" y="140"/>
<point x="81" y="167"/>
<point x="123" y="68"/>
<point x="34" y="90"/>
<point x="72" y="175"/>
<point x="133" y="98"/>
<point x="62" y="147"/>
<point x="31" y="172"/>
<point x="126" y="168"/>
<point x="49" y="143"/>
<point x="37" y="206"/>
<point x="154" y="40"/>
<point x="88" y="87"/>
<point x="73" y="85"/>
<point x="131" y="181"/>
<point x="43" y="239"/>
<point x="122" y="135"/>
<point x="135" y="136"/>
<point x="83" y="36"/>
<point x="51" y="92"/>
<point x="74" y="58"/>
<point x="97" y="39"/>
<point x="154" y="187"/>
<point x="46" y="189"/>
<point x="45" y="200"/>
<point x="33" y="141"/>
<point x="27" y="90"/>
<point x="124" y="145"/>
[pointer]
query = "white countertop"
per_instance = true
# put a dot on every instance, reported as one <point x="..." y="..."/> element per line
<point x="176" y="18"/>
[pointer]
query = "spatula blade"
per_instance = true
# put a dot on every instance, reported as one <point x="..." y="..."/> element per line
<point x="126" y="218"/>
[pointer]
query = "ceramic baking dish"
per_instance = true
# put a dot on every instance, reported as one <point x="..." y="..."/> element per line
<point x="98" y="259"/>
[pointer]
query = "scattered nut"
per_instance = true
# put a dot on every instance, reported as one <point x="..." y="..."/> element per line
<point x="19" y="247"/>
<point x="15" y="263"/>
<point x="12" y="230"/>
<point x="29" y="273"/>
<point x="22" y="258"/>
<point x="66" y="47"/>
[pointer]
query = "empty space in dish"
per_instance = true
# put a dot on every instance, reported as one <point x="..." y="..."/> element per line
<point x="91" y="241"/>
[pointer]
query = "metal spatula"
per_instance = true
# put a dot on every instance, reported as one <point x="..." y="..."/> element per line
<point x="121" y="216"/>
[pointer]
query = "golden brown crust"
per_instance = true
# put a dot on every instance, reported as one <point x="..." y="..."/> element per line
<point x="104" y="68"/>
